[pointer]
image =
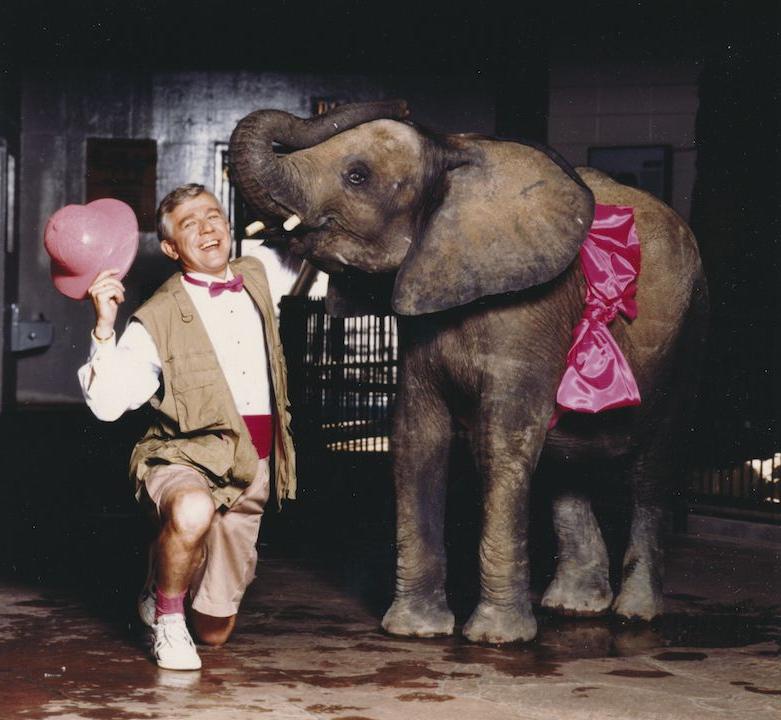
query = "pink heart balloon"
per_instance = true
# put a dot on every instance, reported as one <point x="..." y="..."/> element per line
<point x="82" y="240"/>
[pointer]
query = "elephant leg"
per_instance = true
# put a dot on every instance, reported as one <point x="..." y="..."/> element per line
<point x="661" y="458"/>
<point x="641" y="584"/>
<point x="421" y="447"/>
<point x="507" y="460"/>
<point x="581" y="585"/>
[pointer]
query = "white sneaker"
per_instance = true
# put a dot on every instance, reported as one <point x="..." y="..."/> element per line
<point x="146" y="604"/>
<point x="147" y="598"/>
<point x="174" y="649"/>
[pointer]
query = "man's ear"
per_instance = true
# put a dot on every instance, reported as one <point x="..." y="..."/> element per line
<point x="169" y="249"/>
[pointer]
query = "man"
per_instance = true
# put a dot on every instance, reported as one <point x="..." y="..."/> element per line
<point x="204" y="350"/>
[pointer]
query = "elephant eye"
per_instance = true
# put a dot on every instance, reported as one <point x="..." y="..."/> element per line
<point x="357" y="176"/>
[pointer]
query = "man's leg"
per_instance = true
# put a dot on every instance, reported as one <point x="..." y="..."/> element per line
<point x="231" y="556"/>
<point x="187" y="515"/>
<point x="185" y="510"/>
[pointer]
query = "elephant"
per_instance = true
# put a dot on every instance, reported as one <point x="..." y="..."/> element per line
<point x="476" y="241"/>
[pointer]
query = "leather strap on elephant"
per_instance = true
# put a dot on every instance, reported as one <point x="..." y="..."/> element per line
<point x="597" y="376"/>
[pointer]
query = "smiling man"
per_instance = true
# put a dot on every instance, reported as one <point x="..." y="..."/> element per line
<point x="204" y="351"/>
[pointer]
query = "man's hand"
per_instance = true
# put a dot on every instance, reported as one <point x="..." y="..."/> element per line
<point x="106" y="293"/>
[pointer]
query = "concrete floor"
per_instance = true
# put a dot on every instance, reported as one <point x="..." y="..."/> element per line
<point x="308" y="645"/>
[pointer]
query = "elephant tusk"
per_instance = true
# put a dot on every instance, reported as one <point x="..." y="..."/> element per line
<point x="291" y="223"/>
<point x="254" y="228"/>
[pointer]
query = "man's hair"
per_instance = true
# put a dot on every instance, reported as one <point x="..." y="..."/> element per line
<point x="171" y="201"/>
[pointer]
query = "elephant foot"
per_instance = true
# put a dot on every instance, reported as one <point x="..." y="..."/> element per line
<point x="579" y="591"/>
<point x="640" y="597"/>
<point x="496" y="625"/>
<point x="416" y="617"/>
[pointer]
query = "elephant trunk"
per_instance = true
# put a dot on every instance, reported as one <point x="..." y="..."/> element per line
<point x="269" y="183"/>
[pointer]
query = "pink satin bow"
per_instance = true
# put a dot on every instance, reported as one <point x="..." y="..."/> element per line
<point x="597" y="376"/>
<point x="217" y="287"/>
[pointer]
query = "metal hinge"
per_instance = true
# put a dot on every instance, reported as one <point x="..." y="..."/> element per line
<point x="29" y="334"/>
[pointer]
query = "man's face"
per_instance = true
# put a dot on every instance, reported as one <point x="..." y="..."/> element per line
<point x="200" y="238"/>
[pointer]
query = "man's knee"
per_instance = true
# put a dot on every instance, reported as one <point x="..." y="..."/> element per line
<point x="190" y="513"/>
<point x="212" y="630"/>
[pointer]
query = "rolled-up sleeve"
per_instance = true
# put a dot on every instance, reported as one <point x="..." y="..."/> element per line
<point x="120" y="376"/>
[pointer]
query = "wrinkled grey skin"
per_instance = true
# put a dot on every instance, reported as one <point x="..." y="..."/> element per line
<point x="483" y="236"/>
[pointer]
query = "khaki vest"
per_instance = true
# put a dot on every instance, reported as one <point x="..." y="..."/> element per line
<point x="197" y="422"/>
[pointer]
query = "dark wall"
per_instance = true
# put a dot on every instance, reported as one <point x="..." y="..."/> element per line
<point x="10" y="121"/>
<point x="9" y="107"/>
<point x="737" y="220"/>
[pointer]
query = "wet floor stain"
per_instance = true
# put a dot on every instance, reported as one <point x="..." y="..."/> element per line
<point x="308" y="616"/>
<point x="43" y="603"/>
<point x="361" y="647"/>
<point x="270" y="628"/>
<point x="112" y="714"/>
<point x="515" y="662"/>
<point x="685" y="597"/>
<point x="674" y="656"/>
<point x="376" y="647"/>
<point x="330" y="709"/>
<point x="761" y="690"/>
<point x="565" y="639"/>
<point x="424" y="697"/>
<point x="399" y="674"/>
<point x="631" y="673"/>
<point x="561" y="640"/>
<point x="252" y="708"/>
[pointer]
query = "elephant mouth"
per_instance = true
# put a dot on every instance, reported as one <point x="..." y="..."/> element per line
<point x="304" y="241"/>
<point x="338" y="227"/>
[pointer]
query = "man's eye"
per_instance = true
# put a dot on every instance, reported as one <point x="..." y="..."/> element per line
<point x="188" y="224"/>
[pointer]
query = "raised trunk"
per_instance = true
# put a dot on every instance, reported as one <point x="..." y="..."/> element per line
<point x="266" y="181"/>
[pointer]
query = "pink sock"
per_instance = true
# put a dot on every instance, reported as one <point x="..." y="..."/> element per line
<point x="168" y="605"/>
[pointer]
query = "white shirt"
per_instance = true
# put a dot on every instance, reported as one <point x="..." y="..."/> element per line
<point x="122" y="375"/>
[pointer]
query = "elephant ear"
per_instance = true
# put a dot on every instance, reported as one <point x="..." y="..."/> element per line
<point x="512" y="217"/>
<point x="354" y="294"/>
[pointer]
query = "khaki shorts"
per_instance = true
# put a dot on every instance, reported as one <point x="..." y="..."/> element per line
<point x="230" y="552"/>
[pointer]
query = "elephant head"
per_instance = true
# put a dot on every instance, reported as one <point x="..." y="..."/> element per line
<point x="452" y="217"/>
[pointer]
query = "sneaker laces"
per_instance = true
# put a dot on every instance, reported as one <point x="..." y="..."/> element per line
<point x="172" y="631"/>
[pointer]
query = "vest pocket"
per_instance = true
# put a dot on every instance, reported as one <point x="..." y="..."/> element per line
<point x="213" y="452"/>
<point x="198" y="404"/>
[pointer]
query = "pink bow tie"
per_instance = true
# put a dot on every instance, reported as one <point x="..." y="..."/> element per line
<point x="216" y="287"/>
